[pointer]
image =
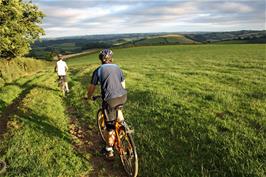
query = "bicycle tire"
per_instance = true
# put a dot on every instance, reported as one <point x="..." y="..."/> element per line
<point x="62" y="87"/>
<point x="2" y="167"/>
<point x="63" y="93"/>
<point x="130" y="150"/>
<point x="101" y="124"/>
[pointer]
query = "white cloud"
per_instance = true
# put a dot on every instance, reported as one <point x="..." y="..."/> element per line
<point x="236" y="7"/>
<point x="180" y="9"/>
<point x="75" y="15"/>
<point x="84" y="17"/>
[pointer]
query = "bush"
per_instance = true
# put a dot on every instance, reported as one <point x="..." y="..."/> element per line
<point x="13" y="69"/>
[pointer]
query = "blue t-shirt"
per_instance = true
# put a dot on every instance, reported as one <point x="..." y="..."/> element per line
<point x="110" y="77"/>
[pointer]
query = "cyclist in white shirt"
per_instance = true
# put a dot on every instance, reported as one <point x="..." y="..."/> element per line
<point x="61" y="69"/>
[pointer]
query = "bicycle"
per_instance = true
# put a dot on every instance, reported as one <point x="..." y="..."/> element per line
<point x="62" y="85"/>
<point x="2" y="167"/>
<point x="123" y="142"/>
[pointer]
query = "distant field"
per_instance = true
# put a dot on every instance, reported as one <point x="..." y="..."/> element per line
<point x="197" y="110"/>
<point x="261" y="40"/>
<point x="46" y="48"/>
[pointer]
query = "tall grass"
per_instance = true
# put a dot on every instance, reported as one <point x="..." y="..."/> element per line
<point x="16" y="68"/>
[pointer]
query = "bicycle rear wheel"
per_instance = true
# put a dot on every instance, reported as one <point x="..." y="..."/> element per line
<point x="2" y="167"/>
<point x="63" y="91"/>
<point x="128" y="154"/>
<point x="62" y="87"/>
<point x="101" y="124"/>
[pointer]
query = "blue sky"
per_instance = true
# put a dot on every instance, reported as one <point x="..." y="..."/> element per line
<point x="87" y="17"/>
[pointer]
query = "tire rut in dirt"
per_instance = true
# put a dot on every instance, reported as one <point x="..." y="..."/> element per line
<point x="87" y="141"/>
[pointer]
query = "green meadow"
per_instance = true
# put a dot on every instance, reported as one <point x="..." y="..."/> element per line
<point x="196" y="110"/>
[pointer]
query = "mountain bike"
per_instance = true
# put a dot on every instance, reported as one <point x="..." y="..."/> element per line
<point x="123" y="142"/>
<point x="62" y="85"/>
<point x="2" y="167"/>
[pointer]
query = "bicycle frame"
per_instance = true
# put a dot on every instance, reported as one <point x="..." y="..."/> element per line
<point x="117" y="127"/>
<point x="117" y="138"/>
<point x="122" y="134"/>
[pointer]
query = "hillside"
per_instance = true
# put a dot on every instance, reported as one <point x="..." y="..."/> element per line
<point x="244" y="40"/>
<point x="244" y="36"/>
<point x="47" y="48"/>
<point x="196" y="110"/>
<point x="172" y="39"/>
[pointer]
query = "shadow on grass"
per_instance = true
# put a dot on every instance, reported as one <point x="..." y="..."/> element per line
<point x="2" y="105"/>
<point x="171" y="134"/>
<point x="38" y="123"/>
<point x="41" y="124"/>
<point x="159" y="129"/>
<point x="12" y="108"/>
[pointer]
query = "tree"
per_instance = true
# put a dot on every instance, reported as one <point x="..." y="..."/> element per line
<point x="19" y="27"/>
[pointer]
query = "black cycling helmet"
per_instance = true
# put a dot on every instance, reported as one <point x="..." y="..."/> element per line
<point x="106" y="55"/>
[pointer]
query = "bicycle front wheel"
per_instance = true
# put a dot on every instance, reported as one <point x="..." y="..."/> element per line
<point x="101" y="124"/>
<point x="128" y="154"/>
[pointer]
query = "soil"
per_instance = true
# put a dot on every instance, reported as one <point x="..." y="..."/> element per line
<point x="87" y="141"/>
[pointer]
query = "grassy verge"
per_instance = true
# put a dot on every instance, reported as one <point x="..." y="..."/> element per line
<point x="16" y="68"/>
<point x="37" y="142"/>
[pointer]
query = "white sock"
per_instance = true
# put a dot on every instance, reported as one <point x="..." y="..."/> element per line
<point x="108" y="148"/>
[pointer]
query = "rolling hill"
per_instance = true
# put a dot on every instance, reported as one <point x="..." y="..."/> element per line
<point x="47" y="48"/>
<point x="244" y="36"/>
<point x="171" y="39"/>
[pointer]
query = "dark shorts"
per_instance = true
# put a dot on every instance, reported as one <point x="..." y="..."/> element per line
<point x="64" y="78"/>
<point x="111" y="104"/>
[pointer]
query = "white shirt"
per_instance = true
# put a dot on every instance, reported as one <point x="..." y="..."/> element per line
<point x="61" y="68"/>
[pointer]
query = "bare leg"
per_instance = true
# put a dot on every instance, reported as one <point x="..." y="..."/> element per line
<point x="120" y="117"/>
<point x="66" y="84"/>
<point x="110" y="143"/>
<point x="110" y="138"/>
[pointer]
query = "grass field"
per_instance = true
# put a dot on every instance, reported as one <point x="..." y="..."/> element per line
<point x="197" y="110"/>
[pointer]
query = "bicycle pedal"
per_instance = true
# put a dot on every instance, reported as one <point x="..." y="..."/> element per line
<point x="110" y="156"/>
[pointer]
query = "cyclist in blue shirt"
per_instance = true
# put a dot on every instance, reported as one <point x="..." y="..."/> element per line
<point x="112" y="82"/>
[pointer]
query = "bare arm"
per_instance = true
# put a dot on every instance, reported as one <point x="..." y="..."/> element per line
<point x="55" y="68"/>
<point x="123" y="84"/>
<point x="90" y="91"/>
